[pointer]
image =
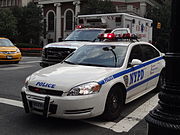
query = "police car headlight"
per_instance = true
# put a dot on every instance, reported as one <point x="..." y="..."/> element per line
<point x="85" y="89"/>
<point x="27" y="82"/>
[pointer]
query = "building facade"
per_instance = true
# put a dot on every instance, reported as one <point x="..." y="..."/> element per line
<point x="59" y="15"/>
<point x="13" y="3"/>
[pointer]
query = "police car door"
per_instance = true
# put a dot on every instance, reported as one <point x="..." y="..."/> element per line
<point x="152" y="56"/>
<point x="137" y="74"/>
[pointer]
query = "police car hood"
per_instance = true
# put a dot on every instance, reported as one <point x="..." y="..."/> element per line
<point x="67" y="44"/>
<point x="65" y="76"/>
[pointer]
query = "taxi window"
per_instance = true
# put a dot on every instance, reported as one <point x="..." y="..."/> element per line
<point x="99" y="55"/>
<point x="5" y="43"/>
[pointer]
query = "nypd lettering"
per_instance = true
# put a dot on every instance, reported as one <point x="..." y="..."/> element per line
<point x="136" y="76"/>
<point x="108" y="79"/>
<point x="44" y="84"/>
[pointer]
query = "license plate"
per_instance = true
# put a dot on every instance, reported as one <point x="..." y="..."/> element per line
<point x="9" y="57"/>
<point x="37" y="105"/>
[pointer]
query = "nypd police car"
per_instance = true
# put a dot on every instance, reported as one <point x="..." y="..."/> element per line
<point x="96" y="79"/>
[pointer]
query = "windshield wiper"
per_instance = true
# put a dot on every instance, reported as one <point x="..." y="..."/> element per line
<point x="88" y="64"/>
<point x="68" y="62"/>
<point x="80" y="40"/>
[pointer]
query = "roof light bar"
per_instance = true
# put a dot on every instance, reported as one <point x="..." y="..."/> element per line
<point x="112" y="36"/>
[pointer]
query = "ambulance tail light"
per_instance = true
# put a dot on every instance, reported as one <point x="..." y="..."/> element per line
<point x="79" y="27"/>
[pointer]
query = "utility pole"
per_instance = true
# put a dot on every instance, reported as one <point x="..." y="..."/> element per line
<point x="164" y="119"/>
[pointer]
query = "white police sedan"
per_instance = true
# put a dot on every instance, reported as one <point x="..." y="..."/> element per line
<point x="97" y="79"/>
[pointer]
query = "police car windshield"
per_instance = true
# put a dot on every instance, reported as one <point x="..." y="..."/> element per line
<point x="84" y="35"/>
<point x="5" y="43"/>
<point x="98" y="55"/>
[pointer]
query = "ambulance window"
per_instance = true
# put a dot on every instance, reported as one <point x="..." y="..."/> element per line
<point x="81" y="21"/>
<point x="149" y="52"/>
<point x="118" y="19"/>
<point x="136" y="53"/>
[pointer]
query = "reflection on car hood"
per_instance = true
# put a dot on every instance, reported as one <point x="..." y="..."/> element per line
<point x="66" y="76"/>
<point x="8" y="49"/>
<point x="73" y="44"/>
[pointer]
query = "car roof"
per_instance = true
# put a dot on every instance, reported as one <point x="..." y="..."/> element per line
<point x="91" y="29"/>
<point x="111" y="43"/>
<point x="120" y="43"/>
<point x="3" y="38"/>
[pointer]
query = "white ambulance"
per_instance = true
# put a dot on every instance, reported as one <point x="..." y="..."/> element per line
<point x="140" y="26"/>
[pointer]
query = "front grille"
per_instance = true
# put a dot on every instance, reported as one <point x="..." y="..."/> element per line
<point x="57" y="54"/>
<point x="10" y="52"/>
<point x="8" y="59"/>
<point x="45" y="91"/>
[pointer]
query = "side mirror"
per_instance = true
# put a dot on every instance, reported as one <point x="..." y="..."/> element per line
<point x="135" y="62"/>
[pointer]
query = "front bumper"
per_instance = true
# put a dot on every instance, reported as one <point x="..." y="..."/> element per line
<point x="10" y="57"/>
<point x="68" y="107"/>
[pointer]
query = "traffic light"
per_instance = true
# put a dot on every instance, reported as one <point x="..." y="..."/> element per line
<point x="158" y="25"/>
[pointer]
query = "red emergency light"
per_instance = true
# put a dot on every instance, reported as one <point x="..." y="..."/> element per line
<point x="110" y="35"/>
<point x="115" y="37"/>
<point x="79" y="27"/>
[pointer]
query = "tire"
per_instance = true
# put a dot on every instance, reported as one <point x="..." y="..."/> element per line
<point x="114" y="104"/>
<point x="161" y="81"/>
<point x="16" y="62"/>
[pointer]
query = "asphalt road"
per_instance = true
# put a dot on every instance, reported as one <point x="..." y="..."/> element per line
<point x="14" y="121"/>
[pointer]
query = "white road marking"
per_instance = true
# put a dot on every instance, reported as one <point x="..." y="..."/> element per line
<point x="11" y="102"/>
<point x="132" y="119"/>
<point x="122" y="126"/>
<point x="15" y="68"/>
<point x="29" y="62"/>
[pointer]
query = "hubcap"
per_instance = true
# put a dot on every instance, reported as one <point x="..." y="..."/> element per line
<point x="114" y="103"/>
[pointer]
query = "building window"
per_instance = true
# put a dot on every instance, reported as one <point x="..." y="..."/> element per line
<point x="69" y="20"/>
<point x="50" y="21"/>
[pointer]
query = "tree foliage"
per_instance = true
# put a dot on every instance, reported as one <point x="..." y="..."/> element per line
<point x="32" y="18"/>
<point x="162" y="14"/>
<point x="8" y="24"/>
<point x="29" y="20"/>
<point x="97" y="6"/>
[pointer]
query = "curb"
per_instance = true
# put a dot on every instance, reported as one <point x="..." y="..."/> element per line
<point x="31" y="54"/>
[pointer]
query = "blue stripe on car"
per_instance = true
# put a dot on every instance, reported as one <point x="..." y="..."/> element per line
<point x="130" y="70"/>
<point x="144" y="81"/>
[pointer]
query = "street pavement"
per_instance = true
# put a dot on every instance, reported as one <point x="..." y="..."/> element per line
<point x="14" y="121"/>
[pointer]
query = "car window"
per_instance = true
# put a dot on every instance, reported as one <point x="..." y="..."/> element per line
<point x="120" y="32"/>
<point x="5" y="43"/>
<point x="99" y="55"/>
<point x="136" y="53"/>
<point x="84" y="35"/>
<point x="149" y="52"/>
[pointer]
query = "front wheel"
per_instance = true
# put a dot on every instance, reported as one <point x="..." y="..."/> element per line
<point x="114" y="104"/>
<point x="16" y="62"/>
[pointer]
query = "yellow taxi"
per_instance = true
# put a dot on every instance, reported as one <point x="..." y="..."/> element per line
<point x="9" y="52"/>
